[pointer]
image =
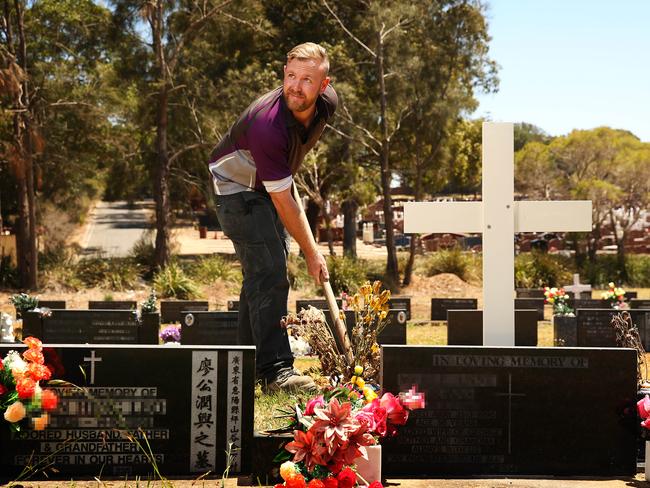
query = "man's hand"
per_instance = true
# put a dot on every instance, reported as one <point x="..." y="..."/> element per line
<point x="317" y="268"/>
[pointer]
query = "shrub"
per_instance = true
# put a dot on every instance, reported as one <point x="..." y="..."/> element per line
<point x="113" y="273"/>
<point x="346" y="274"/>
<point x="638" y="270"/>
<point x="8" y="273"/>
<point x="143" y="253"/>
<point x="214" y="268"/>
<point x="297" y="271"/>
<point x="537" y="270"/>
<point x="172" y="282"/>
<point x="453" y="261"/>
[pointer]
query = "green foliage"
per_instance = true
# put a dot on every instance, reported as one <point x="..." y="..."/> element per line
<point x="346" y="274"/>
<point x="454" y="261"/>
<point x="117" y="274"/>
<point x="143" y="253"/>
<point x="8" y="273"/>
<point x="606" y="268"/>
<point x="24" y="302"/>
<point x="172" y="282"/>
<point x="297" y="270"/>
<point x="209" y="269"/>
<point x="149" y="305"/>
<point x="537" y="270"/>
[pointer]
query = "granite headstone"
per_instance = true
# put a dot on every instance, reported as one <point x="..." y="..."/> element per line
<point x="530" y="292"/>
<point x="465" y="327"/>
<point x="111" y="304"/>
<point x="531" y="304"/>
<point x="190" y="402"/>
<point x="440" y="306"/>
<point x="209" y="328"/>
<point x="171" y="310"/>
<point x="513" y="411"/>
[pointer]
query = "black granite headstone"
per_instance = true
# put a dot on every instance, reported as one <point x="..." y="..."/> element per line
<point x="531" y="304"/>
<point x="319" y="303"/>
<point x="587" y="303"/>
<point x="513" y="411"/>
<point x="52" y="304"/>
<point x="401" y="303"/>
<point x="629" y="295"/>
<point x="233" y="305"/>
<point x="394" y="331"/>
<point x="465" y="327"/>
<point x="565" y="330"/>
<point x="640" y="303"/>
<point x="170" y="310"/>
<point x="111" y="304"/>
<point x="91" y="327"/>
<point x="439" y="306"/>
<point x="209" y="328"/>
<point x="594" y="327"/>
<point x="530" y="292"/>
<point x="190" y="402"/>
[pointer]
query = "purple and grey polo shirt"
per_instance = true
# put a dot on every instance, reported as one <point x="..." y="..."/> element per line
<point x="266" y="145"/>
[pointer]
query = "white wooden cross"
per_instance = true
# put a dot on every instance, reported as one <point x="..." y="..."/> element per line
<point x="498" y="217"/>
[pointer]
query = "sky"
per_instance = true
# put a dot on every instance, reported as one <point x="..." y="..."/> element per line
<point x="571" y="64"/>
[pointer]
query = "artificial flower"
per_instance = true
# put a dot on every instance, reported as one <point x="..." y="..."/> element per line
<point x="15" y="412"/>
<point x="347" y="478"/>
<point x="296" y="481"/>
<point x="33" y="343"/>
<point x="331" y="482"/>
<point x="397" y="414"/>
<point x="25" y="388"/>
<point x="41" y="422"/>
<point x="319" y="401"/>
<point x="34" y="355"/>
<point x="315" y="483"/>
<point x="643" y="406"/>
<point x="306" y="448"/>
<point x="49" y="400"/>
<point x="287" y="469"/>
<point x="375" y="484"/>
<point x="3" y="390"/>
<point x="355" y="447"/>
<point x="38" y="371"/>
<point x="333" y="421"/>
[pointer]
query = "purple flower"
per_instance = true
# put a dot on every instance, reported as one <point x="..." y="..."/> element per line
<point x="171" y="333"/>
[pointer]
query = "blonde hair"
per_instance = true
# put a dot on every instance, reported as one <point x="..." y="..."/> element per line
<point x="310" y="50"/>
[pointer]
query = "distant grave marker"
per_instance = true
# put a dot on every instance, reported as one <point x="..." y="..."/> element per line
<point x="465" y="327"/>
<point x="531" y="304"/>
<point x="112" y="304"/>
<point x="440" y="306"/>
<point x="170" y="310"/>
<point x="209" y="328"/>
<point x="91" y="327"/>
<point x="480" y="403"/>
<point x="191" y="402"/>
<point x="232" y="305"/>
<point x="577" y="289"/>
<point x="57" y="304"/>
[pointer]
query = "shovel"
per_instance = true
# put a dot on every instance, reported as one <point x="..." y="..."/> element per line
<point x="340" y="330"/>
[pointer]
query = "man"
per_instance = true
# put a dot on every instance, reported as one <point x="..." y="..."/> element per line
<point x="252" y="169"/>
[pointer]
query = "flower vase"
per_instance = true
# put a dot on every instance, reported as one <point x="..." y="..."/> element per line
<point x="647" y="460"/>
<point x="369" y="470"/>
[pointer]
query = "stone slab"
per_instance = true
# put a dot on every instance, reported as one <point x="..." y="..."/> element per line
<point x="112" y="304"/>
<point x="531" y="304"/>
<point x="465" y="327"/>
<point x="513" y="411"/>
<point x="209" y="328"/>
<point x="171" y="310"/>
<point x="190" y="401"/>
<point x="91" y="327"/>
<point x="440" y="306"/>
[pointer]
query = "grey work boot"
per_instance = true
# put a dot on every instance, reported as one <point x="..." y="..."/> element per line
<point x="289" y="379"/>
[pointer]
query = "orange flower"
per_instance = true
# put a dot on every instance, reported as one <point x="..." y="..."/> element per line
<point x="41" y="422"/>
<point x="297" y="481"/>
<point x="34" y="343"/>
<point x="34" y="355"/>
<point x="25" y="388"/>
<point x="306" y="448"/>
<point x="39" y="371"/>
<point x="49" y="400"/>
<point x="15" y="413"/>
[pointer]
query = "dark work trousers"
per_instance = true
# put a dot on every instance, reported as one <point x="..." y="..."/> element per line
<point x="261" y="242"/>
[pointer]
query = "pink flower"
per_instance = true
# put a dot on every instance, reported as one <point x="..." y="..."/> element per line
<point x="397" y="414"/>
<point x="355" y="447"/>
<point x="379" y="416"/>
<point x="646" y="423"/>
<point x="413" y="399"/>
<point x="334" y="422"/>
<point x="643" y="406"/>
<point x="305" y="447"/>
<point x="319" y="401"/>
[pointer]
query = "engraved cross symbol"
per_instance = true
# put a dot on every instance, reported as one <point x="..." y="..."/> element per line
<point x="510" y="394"/>
<point x="92" y="359"/>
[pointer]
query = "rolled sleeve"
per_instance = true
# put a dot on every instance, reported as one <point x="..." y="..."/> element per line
<point x="278" y="185"/>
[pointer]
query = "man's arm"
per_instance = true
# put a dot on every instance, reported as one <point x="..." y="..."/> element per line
<point x="295" y="221"/>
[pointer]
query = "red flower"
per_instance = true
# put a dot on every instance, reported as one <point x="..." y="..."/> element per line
<point x="39" y="371"/>
<point x="279" y="485"/>
<point x="34" y="355"/>
<point x="315" y="483"/>
<point x="1" y="364"/>
<point x="331" y="482"/>
<point x="355" y="447"/>
<point x="305" y="447"/>
<point x="3" y="390"/>
<point x="297" y="481"/>
<point x="33" y="343"/>
<point x="49" y="400"/>
<point x="347" y="478"/>
<point x="397" y="414"/>
<point x="375" y="484"/>
<point x="25" y="388"/>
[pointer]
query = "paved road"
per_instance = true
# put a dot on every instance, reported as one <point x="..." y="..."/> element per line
<point x="114" y="227"/>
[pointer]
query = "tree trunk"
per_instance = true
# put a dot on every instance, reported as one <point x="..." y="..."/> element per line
<point x="392" y="272"/>
<point x="161" y="184"/>
<point x="313" y="213"/>
<point x="620" y="248"/>
<point x="350" y="208"/>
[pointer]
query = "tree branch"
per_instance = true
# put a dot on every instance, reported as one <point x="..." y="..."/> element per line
<point x="182" y="151"/>
<point x="347" y="31"/>
<point x="355" y="139"/>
